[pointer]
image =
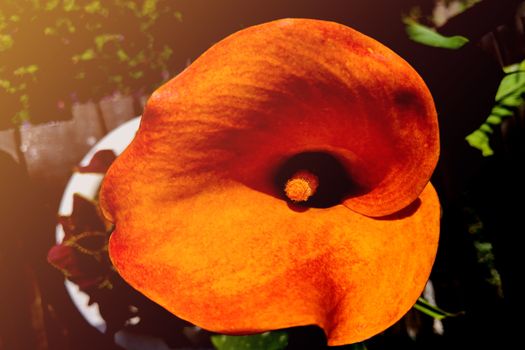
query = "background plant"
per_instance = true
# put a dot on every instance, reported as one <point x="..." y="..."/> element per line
<point x="57" y="52"/>
<point x="511" y="91"/>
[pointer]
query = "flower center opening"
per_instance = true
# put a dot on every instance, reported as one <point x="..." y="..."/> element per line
<point x="314" y="179"/>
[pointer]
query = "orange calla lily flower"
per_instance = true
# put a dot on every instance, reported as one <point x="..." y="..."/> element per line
<point x="282" y="180"/>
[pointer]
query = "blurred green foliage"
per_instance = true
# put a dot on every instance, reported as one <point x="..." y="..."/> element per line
<point x="430" y="37"/>
<point x="508" y="98"/>
<point x="511" y="91"/>
<point x="56" y="52"/>
<point x="277" y="340"/>
<point x="484" y="249"/>
<point x="433" y="311"/>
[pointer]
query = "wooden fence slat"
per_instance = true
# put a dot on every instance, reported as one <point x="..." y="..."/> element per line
<point x="7" y="143"/>
<point x="51" y="150"/>
<point x="116" y="110"/>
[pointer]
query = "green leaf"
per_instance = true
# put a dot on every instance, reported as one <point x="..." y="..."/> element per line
<point x="512" y="83"/>
<point x="122" y="55"/>
<point x="149" y="7"/>
<point x="69" y="5"/>
<point x="486" y="128"/>
<point x="137" y="74"/>
<point x="428" y="36"/>
<point x="6" y="42"/>
<point x="432" y="310"/>
<point x="166" y="53"/>
<point x="67" y="23"/>
<point x="514" y="67"/>
<point x="131" y="5"/>
<point x="358" y="346"/>
<point x="268" y="341"/>
<point x="49" y="31"/>
<point x="103" y="39"/>
<point x="9" y="88"/>
<point x="96" y="7"/>
<point x="26" y="70"/>
<point x="51" y="5"/>
<point x="87" y="55"/>
<point x="494" y="119"/>
<point x="510" y="95"/>
<point x="138" y="59"/>
<point x="480" y="140"/>
<point x="514" y="100"/>
<point x="24" y="99"/>
<point x="116" y="78"/>
<point x="21" y="116"/>
<point x="502" y="111"/>
<point x="5" y="84"/>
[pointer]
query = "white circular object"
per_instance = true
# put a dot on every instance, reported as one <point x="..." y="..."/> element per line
<point x="87" y="185"/>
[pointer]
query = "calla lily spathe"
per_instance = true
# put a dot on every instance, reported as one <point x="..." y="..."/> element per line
<point x="201" y="226"/>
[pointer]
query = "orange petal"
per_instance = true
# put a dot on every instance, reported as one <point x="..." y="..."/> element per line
<point x="233" y="260"/>
<point x="271" y="91"/>
<point x="201" y="227"/>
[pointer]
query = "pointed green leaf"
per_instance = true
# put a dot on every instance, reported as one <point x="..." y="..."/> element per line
<point x="268" y="341"/>
<point x="512" y="101"/>
<point x="512" y="68"/>
<point x="428" y="36"/>
<point x="502" y="111"/>
<point x="494" y="119"/>
<point x="510" y="95"/>
<point x="432" y="310"/>
<point x="486" y="128"/>
<point x="513" y="83"/>
<point x="478" y="139"/>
